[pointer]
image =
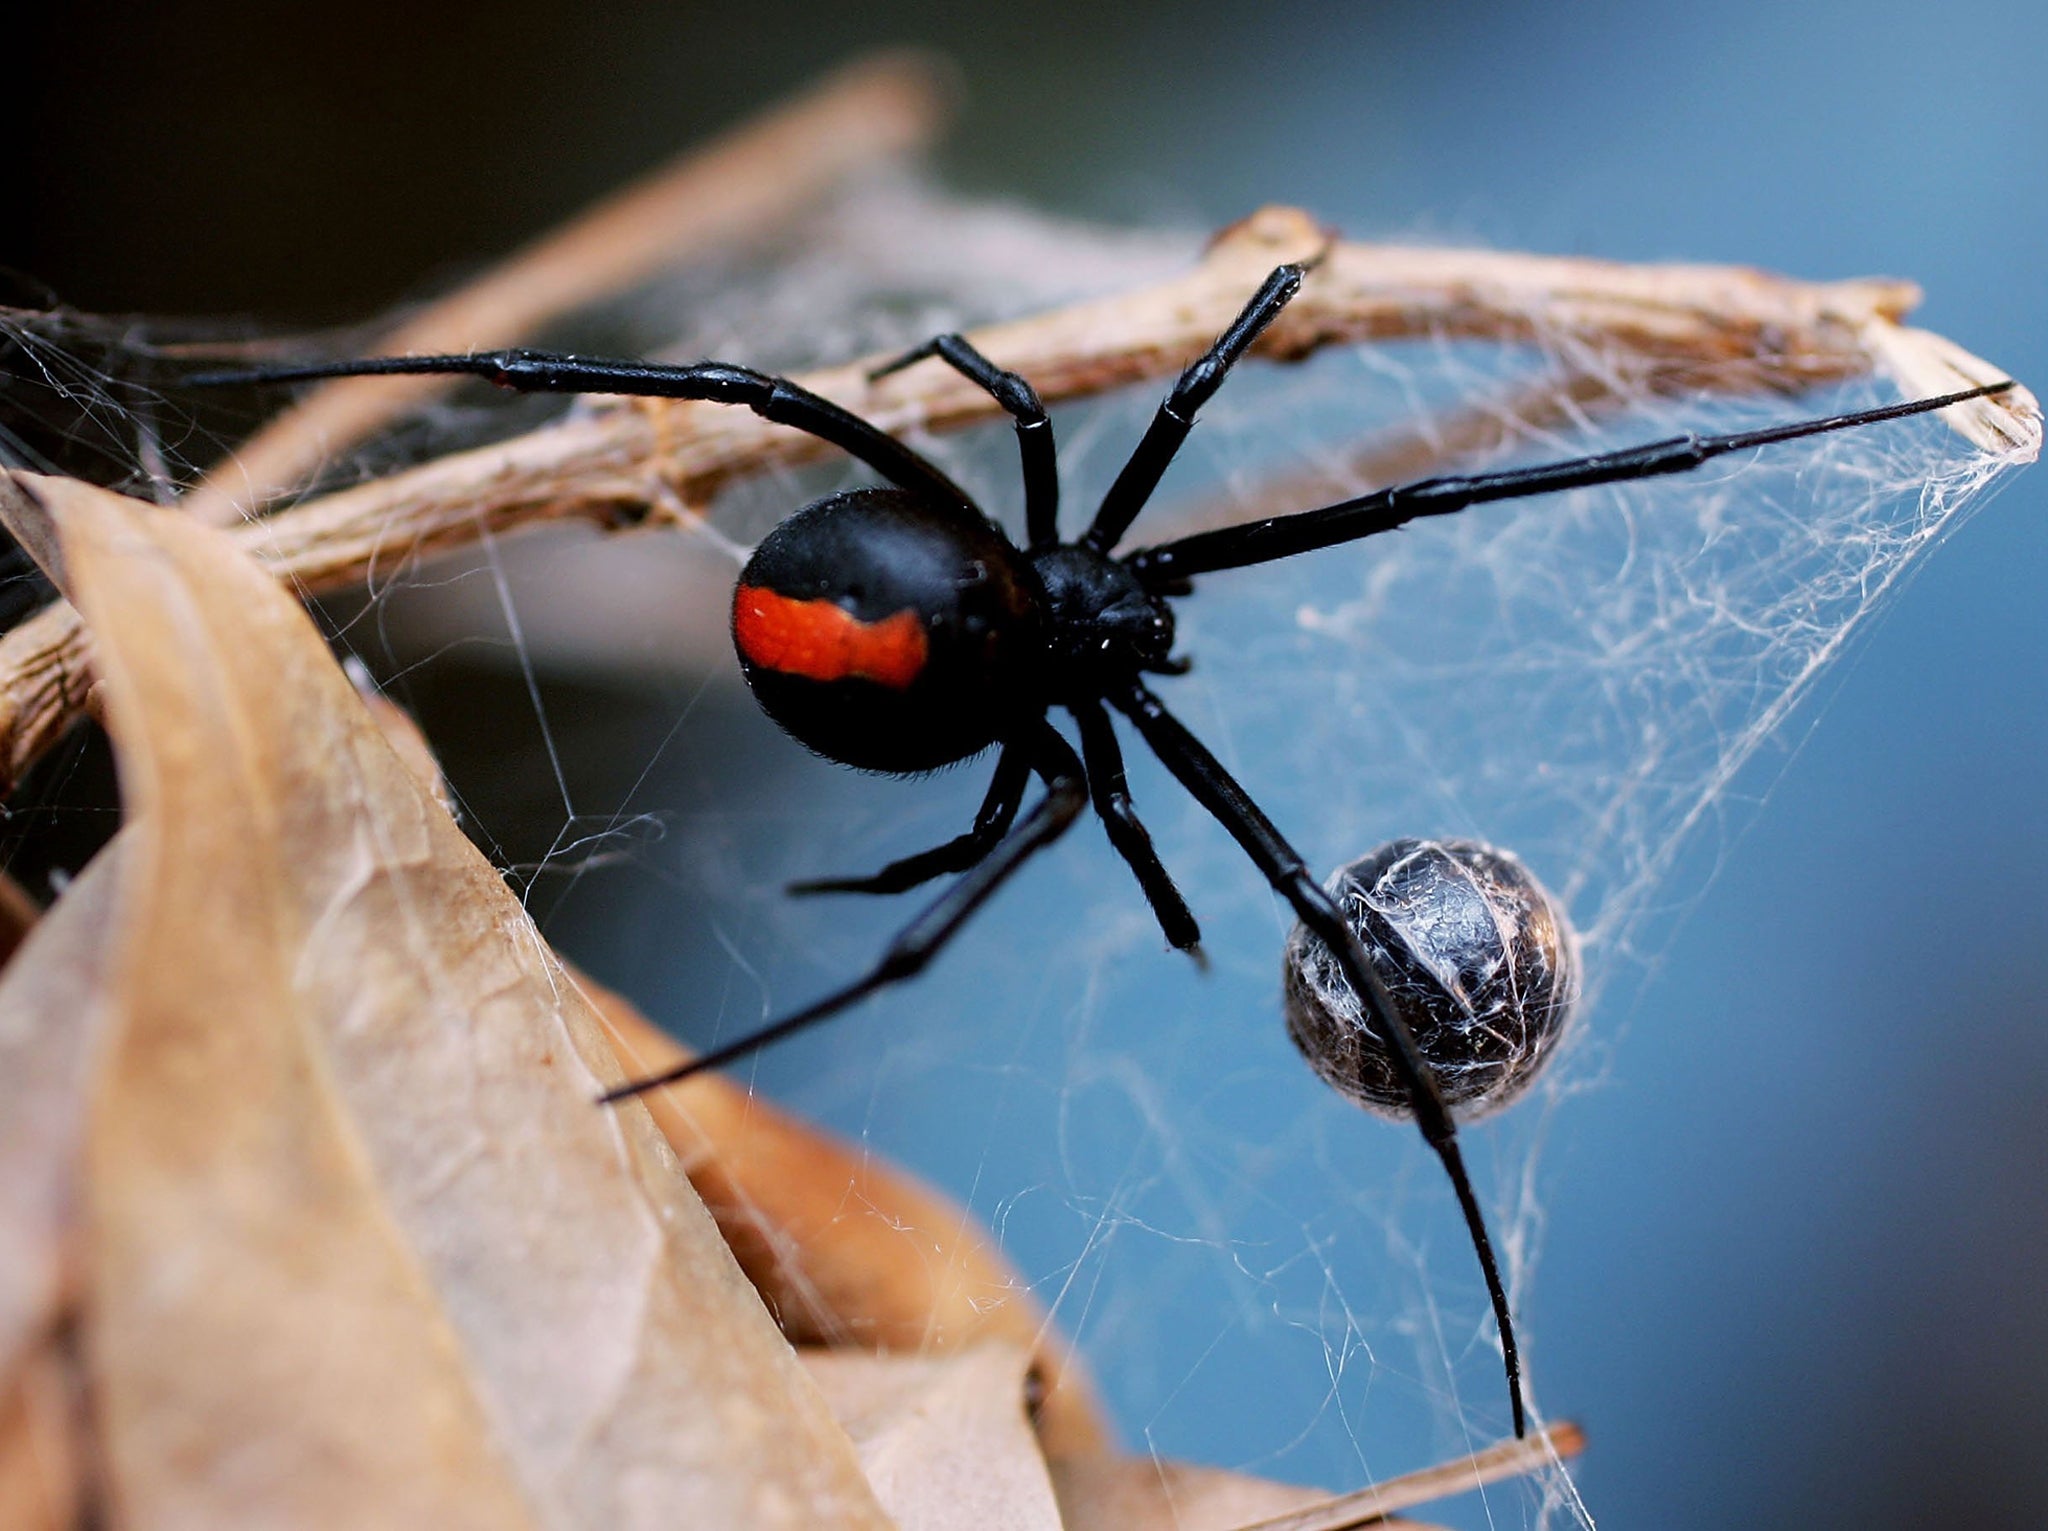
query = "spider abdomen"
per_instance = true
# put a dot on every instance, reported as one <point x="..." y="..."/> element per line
<point x="891" y="631"/>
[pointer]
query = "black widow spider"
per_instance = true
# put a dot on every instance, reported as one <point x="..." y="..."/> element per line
<point x="899" y="630"/>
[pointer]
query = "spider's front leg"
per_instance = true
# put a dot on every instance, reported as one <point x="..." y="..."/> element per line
<point x="1176" y="415"/>
<point x="773" y="398"/>
<point x="998" y="811"/>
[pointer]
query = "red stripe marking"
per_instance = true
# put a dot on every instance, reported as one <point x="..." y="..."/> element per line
<point x="822" y="640"/>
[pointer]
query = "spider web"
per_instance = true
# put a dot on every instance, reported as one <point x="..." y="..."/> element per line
<point x="1259" y="1274"/>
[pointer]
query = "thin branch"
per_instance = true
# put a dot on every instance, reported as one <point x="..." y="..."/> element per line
<point x="623" y="463"/>
<point x="1372" y="1506"/>
<point x="732" y="189"/>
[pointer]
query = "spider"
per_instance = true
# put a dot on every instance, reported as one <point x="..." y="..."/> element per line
<point x="899" y="630"/>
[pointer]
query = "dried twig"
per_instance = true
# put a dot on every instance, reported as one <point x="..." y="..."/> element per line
<point x="746" y="181"/>
<point x="1724" y="327"/>
<point x="1153" y="1494"/>
<point x="1370" y="1506"/>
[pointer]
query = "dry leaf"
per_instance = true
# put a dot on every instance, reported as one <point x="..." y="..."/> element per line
<point x="42" y="1466"/>
<point x="51" y="1008"/>
<point x="946" y="1441"/>
<point x="400" y="732"/>
<point x="846" y="1249"/>
<point x="363" y="1252"/>
<point x="18" y="916"/>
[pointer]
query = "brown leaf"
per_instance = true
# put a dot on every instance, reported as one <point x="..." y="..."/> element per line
<point x="42" y="1456"/>
<point x="401" y="732"/>
<point x="363" y="1251"/>
<point x="945" y="1440"/>
<point x="846" y="1249"/>
<point x="52" y="1005"/>
<point x="18" y="916"/>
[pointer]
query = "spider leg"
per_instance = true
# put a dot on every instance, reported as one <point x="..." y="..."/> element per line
<point x="1112" y="796"/>
<point x="1234" y="547"/>
<point x="1034" y="428"/>
<point x="1176" y="416"/>
<point x="1211" y="786"/>
<point x="770" y="397"/>
<point x="998" y="811"/>
<point x="919" y="941"/>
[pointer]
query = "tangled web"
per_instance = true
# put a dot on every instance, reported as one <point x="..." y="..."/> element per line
<point x="1259" y="1274"/>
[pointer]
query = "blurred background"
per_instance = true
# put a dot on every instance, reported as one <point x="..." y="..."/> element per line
<point x="1790" y="1242"/>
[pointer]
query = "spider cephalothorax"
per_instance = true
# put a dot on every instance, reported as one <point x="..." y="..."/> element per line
<point x="900" y="630"/>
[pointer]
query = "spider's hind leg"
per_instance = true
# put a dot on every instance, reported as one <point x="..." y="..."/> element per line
<point x="998" y="811"/>
<point x="1053" y="759"/>
<point x="1113" y="803"/>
